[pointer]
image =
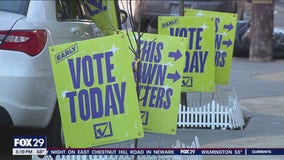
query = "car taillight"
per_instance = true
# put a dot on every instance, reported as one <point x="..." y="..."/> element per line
<point x="29" y="41"/>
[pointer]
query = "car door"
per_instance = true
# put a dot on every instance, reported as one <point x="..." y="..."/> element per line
<point x="73" y="23"/>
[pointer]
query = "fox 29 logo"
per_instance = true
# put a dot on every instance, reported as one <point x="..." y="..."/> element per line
<point x="29" y="141"/>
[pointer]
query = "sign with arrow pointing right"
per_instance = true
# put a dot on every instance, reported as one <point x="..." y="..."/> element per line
<point x="160" y="77"/>
<point x="225" y="29"/>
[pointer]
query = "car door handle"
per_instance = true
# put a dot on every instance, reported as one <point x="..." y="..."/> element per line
<point x="74" y="29"/>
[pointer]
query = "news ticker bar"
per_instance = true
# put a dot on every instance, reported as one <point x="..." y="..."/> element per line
<point x="151" y="151"/>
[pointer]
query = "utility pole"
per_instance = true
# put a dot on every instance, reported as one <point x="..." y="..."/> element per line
<point x="261" y="35"/>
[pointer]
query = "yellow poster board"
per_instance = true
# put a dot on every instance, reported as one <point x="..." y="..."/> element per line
<point x="104" y="14"/>
<point x="160" y="77"/>
<point x="96" y="91"/>
<point x="199" y="68"/>
<point x="225" y="29"/>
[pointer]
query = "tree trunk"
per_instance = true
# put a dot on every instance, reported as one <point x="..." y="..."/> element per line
<point x="262" y="31"/>
<point x="240" y="8"/>
<point x="181" y="8"/>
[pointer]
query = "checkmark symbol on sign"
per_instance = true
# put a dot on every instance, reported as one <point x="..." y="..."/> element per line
<point x="102" y="133"/>
<point x="103" y="130"/>
<point x="185" y="82"/>
<point x="143" y="114"/>
<point x="144" y="117"/>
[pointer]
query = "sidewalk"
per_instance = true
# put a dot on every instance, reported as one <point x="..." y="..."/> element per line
<point x="261" y="88"/>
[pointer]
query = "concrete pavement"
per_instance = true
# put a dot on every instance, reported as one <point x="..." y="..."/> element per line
<point x="260" y="88"/>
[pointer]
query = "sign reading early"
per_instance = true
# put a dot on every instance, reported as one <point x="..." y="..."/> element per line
<point x="199" y="70"/>
<point x="225" y="28"/>
<point x="160" y="77"/>
<point x="96" y="91"/>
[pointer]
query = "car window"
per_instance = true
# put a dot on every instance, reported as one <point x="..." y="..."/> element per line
<point x="70" y="10"/>
<point x="15" y="6"/>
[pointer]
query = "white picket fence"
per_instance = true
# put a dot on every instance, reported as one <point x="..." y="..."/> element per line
<point x="211" y="110"/>
<point x="194" y="144"/>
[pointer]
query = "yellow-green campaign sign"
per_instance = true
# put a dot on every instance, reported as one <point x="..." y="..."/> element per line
<point x="225" y="28"/>
<point x="160" y="70"/>
<point x="103" y="13"/>
<point x="96" y="91"/>
<point x="199" y="68"/>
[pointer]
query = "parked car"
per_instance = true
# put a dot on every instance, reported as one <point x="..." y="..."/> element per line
<point x="242" y="41"/>
<point x="146" y="12"/>
<point x="28" y="27"/>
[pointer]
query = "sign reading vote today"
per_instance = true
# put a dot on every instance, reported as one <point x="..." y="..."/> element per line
<point x="225" y="28"/>
<point x="199" y="68"/>
<point x="162" y="61"/>
<point x="96" y="91"/>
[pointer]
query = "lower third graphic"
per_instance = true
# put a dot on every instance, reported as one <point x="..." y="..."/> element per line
<point x="103" y="130"/>
<point x="187" y="81"/>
